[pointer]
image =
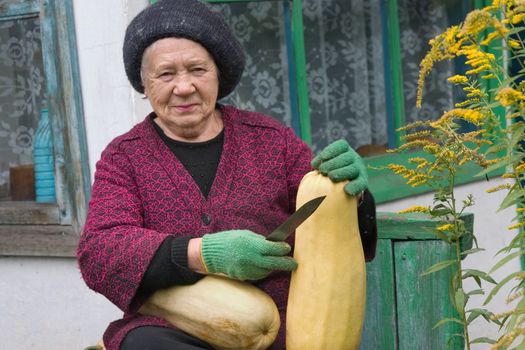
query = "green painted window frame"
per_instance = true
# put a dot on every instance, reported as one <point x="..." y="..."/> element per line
<point x="381" y="181"/>
<point x="52" y="229"/>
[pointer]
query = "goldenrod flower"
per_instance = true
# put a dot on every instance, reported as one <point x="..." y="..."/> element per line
<point x="476" y="22"/>
<point x="517" y="18"/>
<point x="445" y="227"/>
<point x="470" y="115"/>
<point x="515" y="44"/>
<point x="467" y="102"/>
<point x="415" y="209"/>
<point x="477" y="59"/>
<point x="520" y="168"/>
<point x="498" y="188"/>
<point x="509" y="96"/>
<point x="458" y="79"/>
<point x="442" y="47"/>
<point x="517" y="225"/>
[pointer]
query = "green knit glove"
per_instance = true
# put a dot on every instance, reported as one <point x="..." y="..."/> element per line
<point x="340" y="162"/>
<point x="244" y="255"/>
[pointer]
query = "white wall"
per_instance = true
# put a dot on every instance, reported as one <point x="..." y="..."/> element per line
<point x="111" y="106"/>
<point x="49" y="306"/>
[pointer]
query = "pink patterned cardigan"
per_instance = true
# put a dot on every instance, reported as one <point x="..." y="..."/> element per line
<point x="142" y="194"/>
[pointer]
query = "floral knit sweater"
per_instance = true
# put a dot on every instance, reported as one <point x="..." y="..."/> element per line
<point x="142" y="194"/>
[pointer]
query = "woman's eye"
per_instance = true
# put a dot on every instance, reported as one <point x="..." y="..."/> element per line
<point x="199" y="70"/>
<point x="166" y="75"/>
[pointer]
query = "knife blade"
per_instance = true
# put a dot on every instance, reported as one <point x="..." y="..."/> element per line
<point x="289" y="225"/>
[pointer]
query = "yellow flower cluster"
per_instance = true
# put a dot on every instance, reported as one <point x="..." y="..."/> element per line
<point x="415" y="178"/>
<point x="518" y="225"/>
<point x="415" y="209"/>
<point x="476" y="22"/>
<point x="445" y="227"/>
<point x="442" y="47"/>
<point x="479" y="60"/>
<point x="458" y="79"/>
<point x="520" y="168"/>
<point x="470" y="115"/>
<point x="498" y="188"/>
<point x="509" y="96"/>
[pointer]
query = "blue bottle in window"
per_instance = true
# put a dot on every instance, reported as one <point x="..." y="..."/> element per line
<point x="43" y="159"/>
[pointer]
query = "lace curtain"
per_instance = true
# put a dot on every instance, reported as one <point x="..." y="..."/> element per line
<point x="345" y="64"/>
<point x="22" y="93"/>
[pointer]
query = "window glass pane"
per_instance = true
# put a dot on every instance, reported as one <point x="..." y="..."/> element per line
<point x="420" y="21"/>
<point x="22" y="94"/>
<point x="264" y="86"/>
<point x="344" y="53"/>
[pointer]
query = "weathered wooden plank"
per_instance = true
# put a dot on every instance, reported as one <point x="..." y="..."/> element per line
<point x="422" y="301"/>
<point x="19" y="8"/>
<point x="380" y="329"/>
<point x="29" y="213"/>
<point x="38" y="240"/>
<point x="65" y="110"/>
<point x="412" y="226"/>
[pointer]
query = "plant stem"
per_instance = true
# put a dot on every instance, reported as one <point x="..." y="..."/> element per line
<point x="458" y="253"/>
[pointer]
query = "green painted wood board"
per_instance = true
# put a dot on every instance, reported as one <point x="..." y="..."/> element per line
<point x="379" y="330"/>
<point x="424" y="300"/>
<point x="412" y="226"/>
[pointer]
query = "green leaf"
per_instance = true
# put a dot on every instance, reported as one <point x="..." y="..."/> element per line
<point x="483" y="275"/>
<point x="483" y="340"/>
<point x="513" y="197"/>
<point x="439" y="266"/>
<point x="475" y="313"/>
<point x="442" y="236"/>
<point x="476" y="292"/>
<point x="517" y="135"/>
<point x="459" y="301"/>
<point x="502" y="164"/>
<point x="446" y="320"/>
<point x="515" y="243"/>
<point x="500" y="285"/>
<point x="471" y="251"/>
<point x="440" y="212"/>
<point x="506" y="259"/>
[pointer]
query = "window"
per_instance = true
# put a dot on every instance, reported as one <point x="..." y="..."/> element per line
<point x="38" y="68"/>
<point x="361" y="63"/>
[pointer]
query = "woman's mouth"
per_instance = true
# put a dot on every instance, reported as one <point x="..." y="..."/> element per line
<point x="185" y="108"/>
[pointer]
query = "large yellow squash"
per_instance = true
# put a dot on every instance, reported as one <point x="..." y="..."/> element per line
<point x="326" y="304"/>
<point x="225" y="313"/>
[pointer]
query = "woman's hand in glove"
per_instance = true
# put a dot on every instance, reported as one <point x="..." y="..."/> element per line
<point x="244" y="255"/>
<point x="340" y="162"/>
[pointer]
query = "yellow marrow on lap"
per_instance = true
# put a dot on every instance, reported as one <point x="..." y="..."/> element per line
<point x="326" y="303"/>
<point x="225" y="313"/>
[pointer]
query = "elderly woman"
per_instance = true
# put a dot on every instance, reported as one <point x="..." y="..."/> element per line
<point x="194" y="188"/>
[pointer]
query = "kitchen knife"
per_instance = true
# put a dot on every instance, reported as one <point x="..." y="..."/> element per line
<point x="289" y="225"/>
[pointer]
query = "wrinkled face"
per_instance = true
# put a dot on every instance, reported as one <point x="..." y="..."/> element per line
<point x="181" y="82"/>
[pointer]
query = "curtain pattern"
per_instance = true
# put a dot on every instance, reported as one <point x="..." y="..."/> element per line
<point x="22" y="92"/>
<point x="419" y="22"/>
<point x="345" y="64"/>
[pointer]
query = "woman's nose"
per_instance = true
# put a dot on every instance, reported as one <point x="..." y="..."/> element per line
<point x="183" y="85"/>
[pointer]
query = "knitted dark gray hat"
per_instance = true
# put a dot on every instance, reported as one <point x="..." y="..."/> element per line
<point x="190" y="19"/>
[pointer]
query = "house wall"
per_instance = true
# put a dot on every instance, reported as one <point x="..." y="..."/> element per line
<point x="49" y="305"/>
